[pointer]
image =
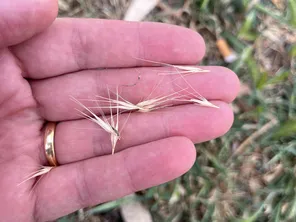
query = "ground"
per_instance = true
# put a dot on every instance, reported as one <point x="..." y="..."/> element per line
<point x="248" y="174"/>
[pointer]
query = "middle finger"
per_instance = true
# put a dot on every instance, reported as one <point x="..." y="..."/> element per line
<point x="53" y="95"/>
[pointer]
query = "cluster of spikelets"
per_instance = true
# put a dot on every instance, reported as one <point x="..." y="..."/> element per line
<point x="121" y="105"/>
<point x="117" y="105"/>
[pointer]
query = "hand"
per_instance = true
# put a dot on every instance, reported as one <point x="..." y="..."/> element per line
<point x="43" y="62"/>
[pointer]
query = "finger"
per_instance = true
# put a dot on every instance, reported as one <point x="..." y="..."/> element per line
<point x="74" y="44"/>
<point x="106" y="178"/>
<point x="21" y="19"/>
<point x="81" y="139"/>
<point x="53" y="95"/>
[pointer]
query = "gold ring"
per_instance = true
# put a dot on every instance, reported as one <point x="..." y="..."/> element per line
<point x="49" y="144"/>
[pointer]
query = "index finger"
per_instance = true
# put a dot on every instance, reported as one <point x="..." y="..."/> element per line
<point x="75" y="44"/>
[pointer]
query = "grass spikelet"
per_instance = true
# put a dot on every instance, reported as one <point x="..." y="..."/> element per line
<point x="180" y="69"/>
<point x="204" y="102"/>
<point x="199" y="100"/>
<point x="110" y="126"/>
<point x="197" y="97"/>
<point x="40" y="172"/>
<point x="103" y="123"/>
<point x="143" y="106"/>
<point x="114" y="124"/>
<point x="184" y="70"/>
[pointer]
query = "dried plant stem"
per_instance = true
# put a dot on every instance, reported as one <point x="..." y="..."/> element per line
<point x="254" y="136"/>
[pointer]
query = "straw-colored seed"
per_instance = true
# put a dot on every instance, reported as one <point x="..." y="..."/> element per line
<point x="40" y="172"/>
<point x="111" y="128"/>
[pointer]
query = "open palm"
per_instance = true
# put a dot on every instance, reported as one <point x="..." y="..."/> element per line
<point x="43" y="62"/>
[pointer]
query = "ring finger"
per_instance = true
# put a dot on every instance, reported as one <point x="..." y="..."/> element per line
<point x="81" y="139"/>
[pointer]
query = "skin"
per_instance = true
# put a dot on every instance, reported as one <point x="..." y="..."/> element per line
<point x="43" y="60"/>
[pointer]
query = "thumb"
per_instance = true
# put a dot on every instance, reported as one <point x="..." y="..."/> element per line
<point x="21" y="19"/>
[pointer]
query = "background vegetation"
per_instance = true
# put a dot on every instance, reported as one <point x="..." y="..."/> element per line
<point x="249" y="174"/>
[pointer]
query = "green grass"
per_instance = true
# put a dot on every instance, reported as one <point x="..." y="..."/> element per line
<point x="248" y="174"/>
